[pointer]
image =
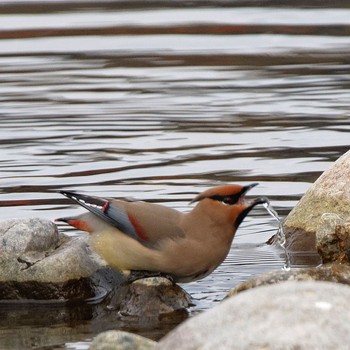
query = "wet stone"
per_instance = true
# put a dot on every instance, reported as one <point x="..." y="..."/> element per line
<point x="119" y="340"/>
<point x="308" y="242"/>
<point x="149" y="297"/>
<point x="330" y="194"/>
<point x="36" y="262"/>
<point x="334" y="272"/>
<point x="333" y="239"/>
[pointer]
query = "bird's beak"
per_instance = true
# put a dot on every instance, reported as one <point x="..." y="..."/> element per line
<point x="248" y="204"/>
<point x="251" y="203"/>
<point x="249" y="187"/>
<point x="260" y="200"/>
<point x="244" y="190"/>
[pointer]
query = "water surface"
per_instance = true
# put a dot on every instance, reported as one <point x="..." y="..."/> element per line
<point x="158" y="102"/>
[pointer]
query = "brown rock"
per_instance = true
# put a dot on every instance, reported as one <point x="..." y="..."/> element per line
<point x="330" y="194"/>
<point x="149" y="297"/>
<point x="333" y="239"/>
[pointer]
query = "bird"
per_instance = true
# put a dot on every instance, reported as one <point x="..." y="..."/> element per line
<point x="148" y="237"/>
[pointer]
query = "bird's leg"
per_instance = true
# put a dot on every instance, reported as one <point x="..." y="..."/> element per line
<point x="139" y="274"/>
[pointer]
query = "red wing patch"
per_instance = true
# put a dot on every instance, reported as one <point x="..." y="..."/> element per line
<point x="105" y="207"/>
<point x="138" y="228"/>
<point x="80" y="225"/>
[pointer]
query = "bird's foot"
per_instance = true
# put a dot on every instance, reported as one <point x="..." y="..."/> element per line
<point x="136" y="275"/>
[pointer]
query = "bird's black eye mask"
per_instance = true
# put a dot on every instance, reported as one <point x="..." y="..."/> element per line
<point x="229" y="200"/>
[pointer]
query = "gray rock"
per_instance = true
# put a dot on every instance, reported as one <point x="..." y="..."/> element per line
<point x="18" y="236"/>
<point x="330" y="194"/>
<point x="36" y="262"/>
<point x="285" y="316"/>
<point x="149" y="297"/>
<point x="333" y="272"/>
<point x="119" y="340"/>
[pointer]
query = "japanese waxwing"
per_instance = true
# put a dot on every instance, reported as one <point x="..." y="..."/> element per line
<point x="142" y="236"/>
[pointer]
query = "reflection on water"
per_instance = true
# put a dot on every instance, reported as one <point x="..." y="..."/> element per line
<point x="159" y="103"/>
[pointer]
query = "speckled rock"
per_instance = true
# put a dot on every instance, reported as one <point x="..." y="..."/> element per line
<point x="119" y="340"/>
<point x="333" y="272"/>
<point x="285" y="316"/>
<point x="149" y="297"/>
<point x="333" y="239"/>
<point x="19" y="236"/>
<point x="36" y="262"/>
<point x="330" y="194"/>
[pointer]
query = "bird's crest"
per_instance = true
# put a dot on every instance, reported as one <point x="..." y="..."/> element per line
<point x="229" y="194"/>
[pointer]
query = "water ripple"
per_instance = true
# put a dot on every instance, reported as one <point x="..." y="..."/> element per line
<point x="157" y="104"/>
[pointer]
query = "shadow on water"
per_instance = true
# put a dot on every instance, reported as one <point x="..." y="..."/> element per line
<point x="157" y="101"/>
<point x="56" y="324"/>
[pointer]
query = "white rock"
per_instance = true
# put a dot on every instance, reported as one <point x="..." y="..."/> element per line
<point x="285" y="316"/>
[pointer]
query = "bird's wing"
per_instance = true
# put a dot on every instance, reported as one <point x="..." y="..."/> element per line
<point x="145" y="222"/>
<point x="114" y="215"/>
<point x="153" y="222"/>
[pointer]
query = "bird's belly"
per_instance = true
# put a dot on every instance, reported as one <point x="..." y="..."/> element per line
<point x="122" y="252"/>
<point x="190" y="261"/>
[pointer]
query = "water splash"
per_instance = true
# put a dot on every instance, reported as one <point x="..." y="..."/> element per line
<point x="293" y="259"/>
<point x="280" y="237"/>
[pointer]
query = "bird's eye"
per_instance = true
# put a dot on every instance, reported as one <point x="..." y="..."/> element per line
<point x="228" y="200"/>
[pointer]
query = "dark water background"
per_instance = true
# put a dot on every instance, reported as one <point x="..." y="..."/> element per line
<point x="159" y="100"/>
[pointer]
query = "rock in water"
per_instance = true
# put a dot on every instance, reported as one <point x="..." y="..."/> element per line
<point x="119" y="340"/>
<point x="333" y="239"/>
<point x="289" y="315"/>
<point x="329" y="195"/>
<point x="36" y="262"/>
<point x="149" y="297"/>
<point x="333" y="272"/>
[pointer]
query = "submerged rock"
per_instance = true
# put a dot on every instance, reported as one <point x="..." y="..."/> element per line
<point x="334" y="272"/>
<point x="36" y="262"/>
<point x="329" y="195"/>
<point x="289" y="315"/>
<point x="119" y="340"/>
<point x="149" y="297"/>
